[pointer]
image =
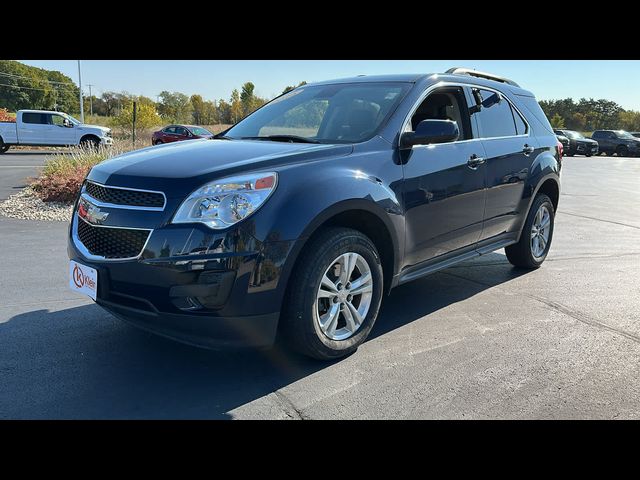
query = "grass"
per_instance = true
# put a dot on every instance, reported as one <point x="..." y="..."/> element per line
<point x="63" y="174"/>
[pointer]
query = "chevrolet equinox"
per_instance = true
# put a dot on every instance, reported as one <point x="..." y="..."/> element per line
<point x="297" y="220"/>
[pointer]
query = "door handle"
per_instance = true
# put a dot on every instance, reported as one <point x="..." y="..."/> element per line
<point x="527" y="149"/>
<point x="475" y="161"/>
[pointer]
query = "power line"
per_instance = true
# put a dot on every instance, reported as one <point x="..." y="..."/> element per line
<point x="23" y="88"/>
<point x="37" y="79"/>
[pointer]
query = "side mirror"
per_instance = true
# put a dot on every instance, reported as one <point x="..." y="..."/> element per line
<point x="430" y="132"/>
<point x="68" y="124"/>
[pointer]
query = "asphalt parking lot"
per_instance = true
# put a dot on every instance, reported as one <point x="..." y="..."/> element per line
<point x="17" y="166"/>
<point x="479" y="340"/>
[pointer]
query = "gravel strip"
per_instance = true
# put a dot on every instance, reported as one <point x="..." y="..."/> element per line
<point x="28" y="206"/>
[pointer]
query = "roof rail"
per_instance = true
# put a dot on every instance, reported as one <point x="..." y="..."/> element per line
<point x="475" y="73"/>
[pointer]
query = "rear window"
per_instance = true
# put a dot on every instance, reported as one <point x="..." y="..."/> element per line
<point x="495" y="116"/>
<point x="37" y="118"/>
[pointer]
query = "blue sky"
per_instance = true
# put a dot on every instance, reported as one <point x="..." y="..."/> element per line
<point x="213" y="79"/>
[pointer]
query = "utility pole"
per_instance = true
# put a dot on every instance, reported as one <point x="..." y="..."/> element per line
<point x="90" y="100"/>
<point x="80" y="83"/>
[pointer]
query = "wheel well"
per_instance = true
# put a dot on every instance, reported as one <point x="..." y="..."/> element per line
<point x="88" y="137"/>
<point x="550" y="189"/>
<point x="374" y="228"/>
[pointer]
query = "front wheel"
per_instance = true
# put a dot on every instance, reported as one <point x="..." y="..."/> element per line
<point x="3" y="147"/>
<point x="334" y="295"/>
<point x="90" y="143"/>
<point x="536" y="236"/>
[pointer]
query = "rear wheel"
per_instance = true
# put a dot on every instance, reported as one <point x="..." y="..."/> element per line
<point x="3" y="147"/>
<point x="157" y="142"/>
<point x="536" y="236"/>
<point x="622" y="151"/>
<point x="334" y="295"/>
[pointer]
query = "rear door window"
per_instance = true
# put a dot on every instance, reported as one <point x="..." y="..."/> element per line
<point x="35" y="118"/>
<point x="494" y="116"/>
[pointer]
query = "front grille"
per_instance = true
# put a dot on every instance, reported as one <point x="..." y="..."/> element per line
<point x="109" y="242"/>
<point x="119" y="196"/>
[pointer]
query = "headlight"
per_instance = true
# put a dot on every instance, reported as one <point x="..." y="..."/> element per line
<point x="225" y="202"/>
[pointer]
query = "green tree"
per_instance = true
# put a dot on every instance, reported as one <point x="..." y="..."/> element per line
<point x="629" y="120"/>
<point x="557" y="121"/>
<point x="175" y="107"/>
<point x="30" y="87"/>
<point x="224" y="112"/>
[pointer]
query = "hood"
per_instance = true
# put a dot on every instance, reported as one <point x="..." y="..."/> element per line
<point x="586" y="140"/>
<point x="84" y="126"/>
<point x="177" y="168"/>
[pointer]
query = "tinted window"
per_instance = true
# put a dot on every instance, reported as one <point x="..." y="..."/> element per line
<point x="597" y="135"/>
<point x="180" y="131"/>
<point x="170" y="130"/>
<point x="521" y="126"/>
<point x="494" y="116"/>
<point x="532" y="105"/>
<point x="37" y="118"/>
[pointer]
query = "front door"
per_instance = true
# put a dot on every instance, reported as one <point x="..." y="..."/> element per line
<point x="60" y="133"/>
<point x="444" y="189"/>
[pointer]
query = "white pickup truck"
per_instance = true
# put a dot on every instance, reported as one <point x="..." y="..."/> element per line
<point x="48" y="129"/>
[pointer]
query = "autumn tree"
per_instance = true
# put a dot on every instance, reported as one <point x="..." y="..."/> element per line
<point x="236" y="109"/>
<point x="146" y="115"/>
<point x="175" y="107"/>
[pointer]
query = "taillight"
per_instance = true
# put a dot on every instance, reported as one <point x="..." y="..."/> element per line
<point x="560" y="149"/>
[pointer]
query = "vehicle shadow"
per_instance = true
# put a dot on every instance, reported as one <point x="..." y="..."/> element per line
<point x="36" y="152"/>
<point x="83" y="363"/>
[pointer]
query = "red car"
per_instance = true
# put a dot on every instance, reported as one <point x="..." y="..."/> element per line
<point x="177" y="133"/>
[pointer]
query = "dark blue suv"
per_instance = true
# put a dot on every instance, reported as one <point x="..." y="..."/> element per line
<point x="301" y="217"/>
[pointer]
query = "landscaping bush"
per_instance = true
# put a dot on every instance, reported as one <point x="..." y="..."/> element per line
<point x="63" y="174"/>
<point x="5" y="116"/>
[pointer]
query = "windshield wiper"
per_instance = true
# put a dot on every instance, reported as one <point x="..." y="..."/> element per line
<point x="222" y="137"/>
<point x="283" y="138"/>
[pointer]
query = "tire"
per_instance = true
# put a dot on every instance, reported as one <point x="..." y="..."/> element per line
<point x="304" y="308"/>
<point x="90" y="142"/>
<point x="521" y="254"/>
<point x="3" y="147"/>
<point x="158" y="142"/>
<point x="568" y="154"/>
<point x="622" y="151"/>
<point x="587" y="154"/>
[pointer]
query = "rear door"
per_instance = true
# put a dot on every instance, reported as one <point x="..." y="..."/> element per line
<point x="510" y="150"/>
<point x="170" y="134"/>
<point x="33" y="129"/>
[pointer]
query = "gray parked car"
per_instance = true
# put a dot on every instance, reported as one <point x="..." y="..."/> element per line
<point x="619" y="142"/>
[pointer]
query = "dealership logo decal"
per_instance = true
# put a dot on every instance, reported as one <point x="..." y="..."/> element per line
<point x="81" y="279"/>
<point x="92" y="214"/>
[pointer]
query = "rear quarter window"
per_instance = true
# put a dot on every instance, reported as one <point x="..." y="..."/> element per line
<point x="532" y="105"/>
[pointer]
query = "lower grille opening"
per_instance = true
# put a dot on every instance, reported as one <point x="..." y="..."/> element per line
<point x="111" y="242"/>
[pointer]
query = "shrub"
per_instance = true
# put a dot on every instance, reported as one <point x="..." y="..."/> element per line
<point x="5" y="116"/>
<point x="63" y="174"/>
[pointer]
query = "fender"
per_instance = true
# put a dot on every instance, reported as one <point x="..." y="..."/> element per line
<point x="544" y="167"/>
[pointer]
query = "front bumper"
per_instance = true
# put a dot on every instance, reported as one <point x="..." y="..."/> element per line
<point x="586" y="148"/>
<point x="106" y="140"/>
<point x="194" y="285"/>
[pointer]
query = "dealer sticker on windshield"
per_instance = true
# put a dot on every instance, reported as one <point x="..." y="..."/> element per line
<point x="83" y="279"/>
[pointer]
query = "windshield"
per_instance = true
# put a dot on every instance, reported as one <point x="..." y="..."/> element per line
<point x="200" y="131"/>
<point x="572" y="134"/>
<point x="623" y="134"/>
<point x="338" y="113"/>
